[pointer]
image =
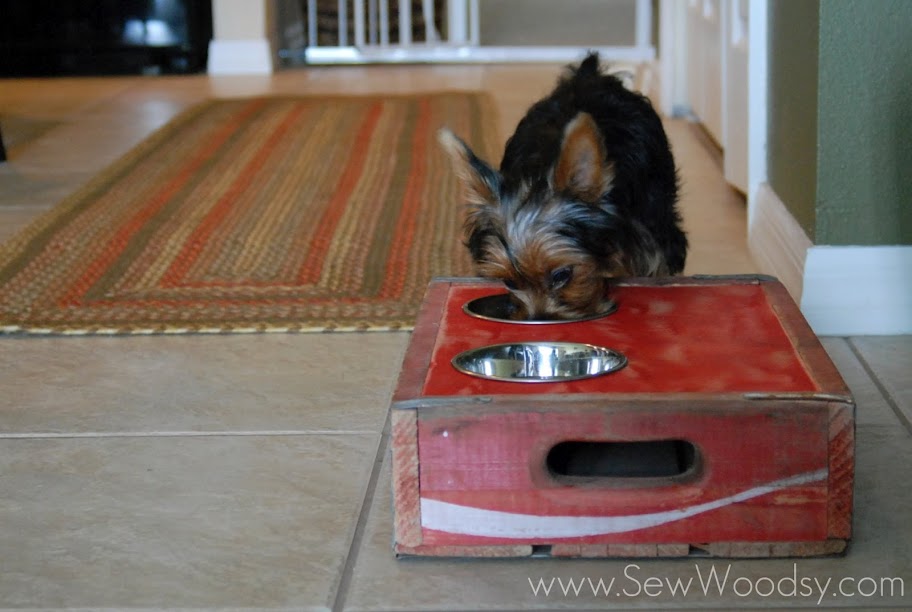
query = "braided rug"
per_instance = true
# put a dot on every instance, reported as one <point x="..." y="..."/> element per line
<point x="252" y="215"/>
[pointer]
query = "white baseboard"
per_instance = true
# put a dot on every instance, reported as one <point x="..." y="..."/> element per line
<point x="842" y="290"/>
<point x="858" y="290"/>
<point x="776" y="241"/>
<point x="253" y="56"/>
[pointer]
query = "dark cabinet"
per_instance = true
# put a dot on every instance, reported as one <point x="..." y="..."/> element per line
<point x="98" y="37"/>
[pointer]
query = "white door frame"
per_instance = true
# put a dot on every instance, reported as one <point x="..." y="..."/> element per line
<point x="758" y="37"/>
<point x="674" y="95"/>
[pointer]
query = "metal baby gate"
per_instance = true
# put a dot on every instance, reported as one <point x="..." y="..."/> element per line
<point x="404" y="31"/>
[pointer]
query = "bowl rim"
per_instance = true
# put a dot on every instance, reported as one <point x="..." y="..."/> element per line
<point x="606" y="351"/>
<point x="467" y="310"/>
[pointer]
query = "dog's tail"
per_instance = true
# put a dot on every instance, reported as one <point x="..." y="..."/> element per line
<point x="590" y="65"/>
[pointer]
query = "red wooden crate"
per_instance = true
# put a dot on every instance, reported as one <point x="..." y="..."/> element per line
<point x="726" y="364"/>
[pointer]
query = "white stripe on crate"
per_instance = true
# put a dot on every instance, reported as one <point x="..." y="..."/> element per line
<point x="466" y="520"/>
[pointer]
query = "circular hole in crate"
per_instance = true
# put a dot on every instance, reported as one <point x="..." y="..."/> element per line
<point x="499" y="307"/>
<point x="539" y="361"/>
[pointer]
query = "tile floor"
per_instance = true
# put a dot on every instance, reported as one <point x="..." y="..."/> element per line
<point x="251" y="472"/>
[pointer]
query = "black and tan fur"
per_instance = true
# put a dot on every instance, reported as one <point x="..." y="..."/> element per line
<point x="586" y="192"/>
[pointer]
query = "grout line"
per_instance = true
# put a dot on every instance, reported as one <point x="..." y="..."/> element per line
<point x="891" y="402"/>
<point x="182" y="434"/>
<point x="348" y="570"/>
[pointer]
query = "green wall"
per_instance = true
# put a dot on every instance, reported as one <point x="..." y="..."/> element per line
<point x="792" y="119"/>
<point x="840" y="121"/>
<point x="864" y="171"/>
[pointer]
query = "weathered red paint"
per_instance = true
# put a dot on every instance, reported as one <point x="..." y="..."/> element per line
<point x="727" y="364"/>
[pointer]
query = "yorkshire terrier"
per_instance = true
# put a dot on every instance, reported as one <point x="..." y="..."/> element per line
<point x="587" y="191"/>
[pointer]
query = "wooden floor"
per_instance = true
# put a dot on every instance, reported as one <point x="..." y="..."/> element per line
<point x="251" y="472"/>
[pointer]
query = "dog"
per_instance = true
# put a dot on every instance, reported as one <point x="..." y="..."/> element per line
<point x="586" y="192"/>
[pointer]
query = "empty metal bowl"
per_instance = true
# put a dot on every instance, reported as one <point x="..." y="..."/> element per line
<point x="539" y="361"/>
<point x="498" y="307"/>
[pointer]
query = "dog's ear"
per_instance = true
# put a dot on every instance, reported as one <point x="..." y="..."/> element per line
<point x="582" y="170"/>
<point x="480" y="181"/>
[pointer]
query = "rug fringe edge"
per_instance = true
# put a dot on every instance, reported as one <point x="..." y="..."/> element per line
<point x="17" y="330"/>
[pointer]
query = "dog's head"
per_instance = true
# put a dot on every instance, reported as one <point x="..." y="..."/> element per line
<point x="554" y="241"/>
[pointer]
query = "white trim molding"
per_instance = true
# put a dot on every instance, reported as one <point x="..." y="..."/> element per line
<point x="445" y="53"/>
<point x="842" y="290"/>
<point x="672" y="92"/>
<point x="776" y="241"/>
<point x="758" y="94"/>
<point x="858" y="290"/>
<point x="248" y="56"/>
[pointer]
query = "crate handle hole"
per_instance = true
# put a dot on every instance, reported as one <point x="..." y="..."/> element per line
<point x="622" y="460"/>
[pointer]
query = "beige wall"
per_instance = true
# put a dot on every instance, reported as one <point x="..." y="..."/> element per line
<point x="548" y="22"/>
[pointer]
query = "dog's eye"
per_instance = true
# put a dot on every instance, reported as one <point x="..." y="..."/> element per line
<point x="561" y="277"/>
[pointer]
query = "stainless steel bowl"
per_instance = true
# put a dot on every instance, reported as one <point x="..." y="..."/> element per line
<point x="498" y="307"/>
<point x="539" y="361"/>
